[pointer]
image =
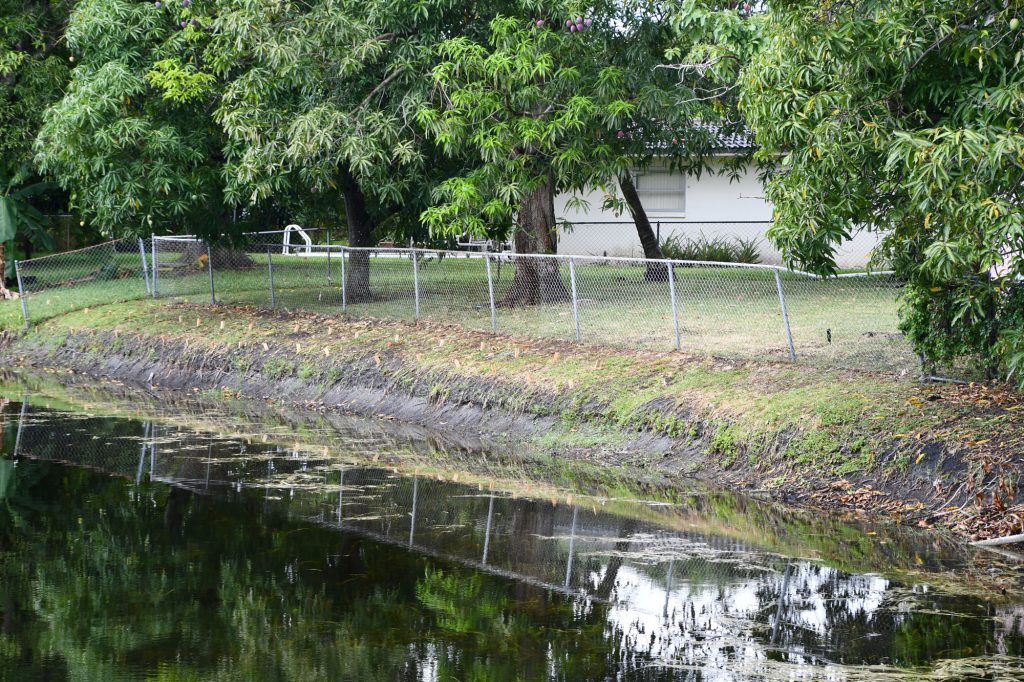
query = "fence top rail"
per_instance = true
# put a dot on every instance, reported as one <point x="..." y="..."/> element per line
<point x="625" y="260"/>
<point x="30" y="261"/>
<point x="667" y="221"/>
<point x="606" y="259"/>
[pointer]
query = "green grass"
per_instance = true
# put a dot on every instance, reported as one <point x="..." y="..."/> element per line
<point x="729" y="312"/>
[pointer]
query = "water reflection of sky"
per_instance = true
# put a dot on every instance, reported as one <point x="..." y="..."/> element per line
<point x="721" y="606"/>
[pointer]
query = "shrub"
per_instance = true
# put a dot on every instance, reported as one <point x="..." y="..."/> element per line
<point x="719" y="249"/>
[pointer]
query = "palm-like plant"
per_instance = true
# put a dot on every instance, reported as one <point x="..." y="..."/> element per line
<point x="18" y="217"/>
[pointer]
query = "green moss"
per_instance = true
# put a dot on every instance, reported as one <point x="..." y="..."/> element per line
<point x="276" y="368"/>
<point x="724" y="443"/>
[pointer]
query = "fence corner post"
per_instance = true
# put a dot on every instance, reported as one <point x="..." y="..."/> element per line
<point x="785" y="315"/>
<point x="575" y="299"/>
<point x="328" y="255"/>
<point x="675" y="304"/>
<point x="416" y="281"/>
<point x="156" y="267"/>
<point x="22" y="294"/>
<point x="490" y="293"/>
<point x="145" y="268"/>
<point x="270" y="269"/>
<point x="209" y="267"/>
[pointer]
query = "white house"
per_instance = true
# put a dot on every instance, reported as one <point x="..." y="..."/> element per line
<point x="713" y="205"/>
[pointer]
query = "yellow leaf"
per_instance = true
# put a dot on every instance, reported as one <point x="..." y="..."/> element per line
<point x="919" y="458"/>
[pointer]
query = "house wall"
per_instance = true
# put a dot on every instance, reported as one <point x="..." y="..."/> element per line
<point x="716" y="205"/>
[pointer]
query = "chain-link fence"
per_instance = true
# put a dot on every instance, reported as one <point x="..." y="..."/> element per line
<point x="727" y="241"/>
<point x="96" y="275"/>
<point x="729" y="310"/>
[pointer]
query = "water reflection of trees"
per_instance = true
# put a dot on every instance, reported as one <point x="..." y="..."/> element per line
<point x="255" y="581"/>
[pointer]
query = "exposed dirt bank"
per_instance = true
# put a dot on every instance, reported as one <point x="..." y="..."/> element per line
<point x="870" y="444"/>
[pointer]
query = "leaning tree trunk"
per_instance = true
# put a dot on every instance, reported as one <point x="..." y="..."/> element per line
<point x="360" y="234"/>
<point x="5" y="293"/>
<point x="537" y="280"/>
<point x="649" y="241"/>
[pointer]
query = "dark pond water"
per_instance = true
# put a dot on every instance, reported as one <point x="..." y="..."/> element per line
<point x="141" y="550"/>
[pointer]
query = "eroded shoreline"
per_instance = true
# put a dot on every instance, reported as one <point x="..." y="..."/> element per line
<point x="867" y="444"/>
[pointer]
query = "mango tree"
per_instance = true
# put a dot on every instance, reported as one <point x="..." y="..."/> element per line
<point x="34" y="67"/>
<point x="133" y="140"/>
<point x="321" y="95"/>
<point x="561" y="102"/>
<point x="904" y="119"/>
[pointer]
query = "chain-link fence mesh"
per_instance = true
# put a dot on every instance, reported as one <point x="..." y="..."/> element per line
<point x="725" y="309"/>
<point x="96" y="275"/>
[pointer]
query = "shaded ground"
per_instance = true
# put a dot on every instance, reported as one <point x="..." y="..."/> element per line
<point x="867" y="443"/>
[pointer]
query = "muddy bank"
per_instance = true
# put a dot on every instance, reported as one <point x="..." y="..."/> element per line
<point x="868" y="444"/>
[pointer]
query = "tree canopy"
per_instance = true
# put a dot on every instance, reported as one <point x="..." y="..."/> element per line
<point x="904" y="119"/>
<point x="133" y="140"/>
<point x="33" y="70"/>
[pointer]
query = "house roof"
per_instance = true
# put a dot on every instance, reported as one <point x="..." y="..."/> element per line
<point x="723" y="139"/>
<point x="735" y="141"/>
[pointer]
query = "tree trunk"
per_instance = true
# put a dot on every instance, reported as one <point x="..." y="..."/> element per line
<point x="5" y="293"/>
<point x="360" y="234"/>
<point x="537" y="280"/>
<point x="649" y="241"/>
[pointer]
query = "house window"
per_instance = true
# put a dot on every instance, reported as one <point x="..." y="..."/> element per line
<point x="660" y="190"/>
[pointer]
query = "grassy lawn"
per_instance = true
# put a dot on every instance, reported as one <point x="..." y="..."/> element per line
<point x="96" y="276"/>
<point x="730" y="312"/>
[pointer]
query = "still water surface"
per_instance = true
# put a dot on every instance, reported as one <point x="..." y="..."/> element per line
<point x="138" y="549"/>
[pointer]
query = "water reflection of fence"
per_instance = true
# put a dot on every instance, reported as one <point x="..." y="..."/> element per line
<point x="689" y="593"/>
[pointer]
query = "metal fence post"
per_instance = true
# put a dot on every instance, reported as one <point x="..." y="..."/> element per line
<point x="344" y="297"/>
<point x="145" y="268"/>
<point x="490" y="293"/>
<point x="270" y="269"/>
<point x="575" y="300"/>
<point x="328" y="254"/>
<point x="416" y="281"/>
<point x="675" y="304"/>
<point x="21" y="292"/>
<point x="21" y="425"/>
<point x="156" y="268"/>
<point x="209" y="267"/>
<point x="785" y="315"/>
